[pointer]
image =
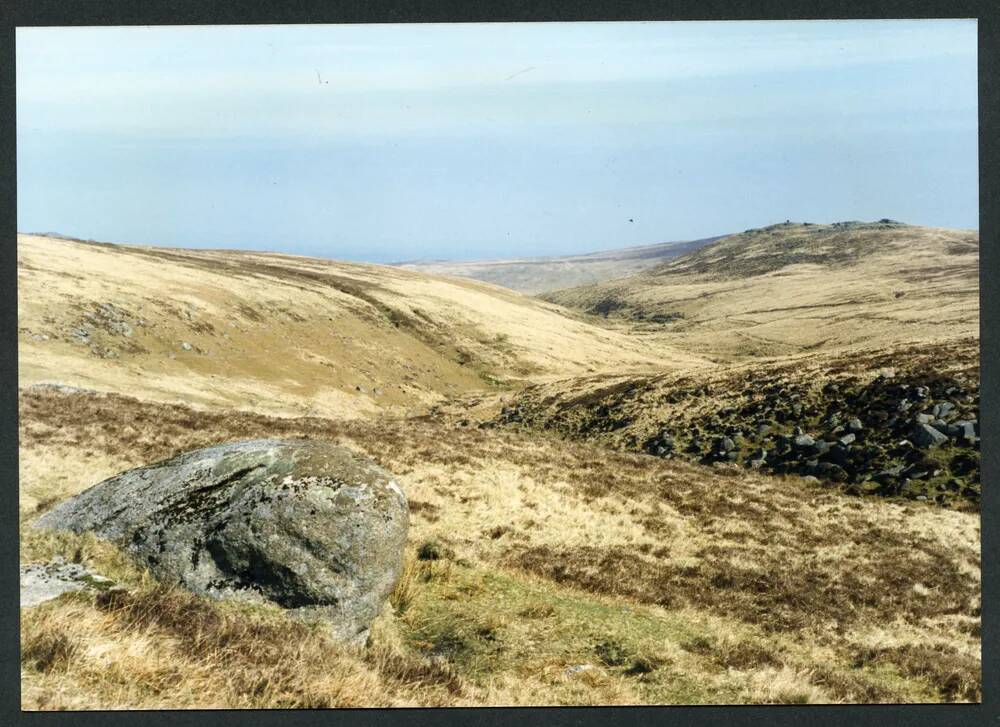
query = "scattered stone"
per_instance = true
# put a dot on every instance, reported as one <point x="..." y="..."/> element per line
<point x="847" y="439"/>
<point x="185" y="346"/>
<point x="855" y="425"/>
<point x="120" y="327"/>
<point x="804" y="440"/>
<point x="60" y="388"/>
<point x="42" y="582"/>
<point x="966" y="431"/>
<point x="927" y="436"/>
<point x="308" y="526"/>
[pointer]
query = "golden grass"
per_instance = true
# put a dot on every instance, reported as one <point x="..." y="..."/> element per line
<point x="539" y="571"/>
<point x="526" y="555"/>
<point x="287" y="335"/>
<point x="790" y="289"/>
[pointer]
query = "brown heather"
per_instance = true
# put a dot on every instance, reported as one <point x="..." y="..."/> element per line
<point x="543" y="568"/>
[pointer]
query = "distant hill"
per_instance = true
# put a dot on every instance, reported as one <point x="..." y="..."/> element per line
<point x="792" y="288"/>
<point x="539" y="274"/>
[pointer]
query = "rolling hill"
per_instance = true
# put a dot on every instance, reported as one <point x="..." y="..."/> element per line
<point x="793" y="288"/>
<point x="577" y="534"/>
<point x="539" y="274"/>
<point x="287" y="334"/>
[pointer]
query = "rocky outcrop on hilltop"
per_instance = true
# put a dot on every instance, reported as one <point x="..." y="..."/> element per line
<point x="308" y="526"/>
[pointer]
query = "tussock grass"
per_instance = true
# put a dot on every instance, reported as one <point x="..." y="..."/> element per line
<point x="163" y="647"/>
<point x="718" y="588"/>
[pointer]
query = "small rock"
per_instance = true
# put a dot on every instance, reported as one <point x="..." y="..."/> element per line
<point x="965" y="431"/>
<point x="804" y="440"/>
<point x="927" y="436"/>
<point x="185" y="346"/>
<point x="42" y="582"/>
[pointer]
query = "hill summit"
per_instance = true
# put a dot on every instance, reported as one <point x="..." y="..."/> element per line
<point x="793" y="287"/>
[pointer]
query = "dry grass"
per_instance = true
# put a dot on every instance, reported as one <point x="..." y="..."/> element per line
<point x="539" y="571"/>
<point x="789" y="289"/>
<point x="283" y="334"/>
<point x="164" y="648"/>
<point x="545" y="549"/>
<point x="626" y="411"/>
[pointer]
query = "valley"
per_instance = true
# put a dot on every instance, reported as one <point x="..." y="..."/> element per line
<point x="705" y="479"/>
<point x="541" y="274"/>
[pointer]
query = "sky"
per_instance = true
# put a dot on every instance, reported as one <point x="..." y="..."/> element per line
<point x="403" y="142"/>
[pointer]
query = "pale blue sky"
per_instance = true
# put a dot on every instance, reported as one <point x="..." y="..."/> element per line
<point x="397" y="142"/>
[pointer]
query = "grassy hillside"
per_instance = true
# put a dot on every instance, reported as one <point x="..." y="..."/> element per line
<point x="850" y="420"/>
<point x="539" y="274"/>
<point x="560" y="551"/>
<point x="791" y="288"/>
<point x="286" y="334"/>
<point x="541" y="572"/>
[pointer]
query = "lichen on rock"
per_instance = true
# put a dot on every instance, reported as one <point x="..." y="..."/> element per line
<point x="308" y="526"/>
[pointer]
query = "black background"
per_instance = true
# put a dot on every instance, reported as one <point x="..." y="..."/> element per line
<point x="189" y="12"/>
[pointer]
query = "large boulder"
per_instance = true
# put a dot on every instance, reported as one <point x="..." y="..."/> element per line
<point x="308" y="526"/>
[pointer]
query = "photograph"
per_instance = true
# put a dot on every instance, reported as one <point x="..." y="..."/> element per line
<point x="498" y="364"/>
